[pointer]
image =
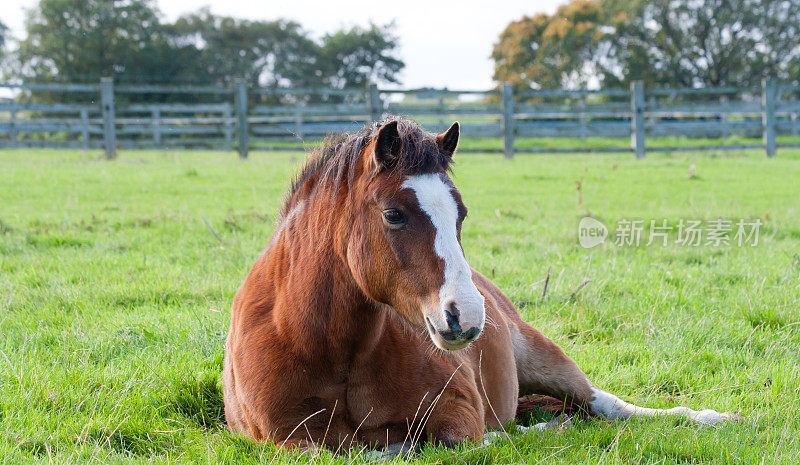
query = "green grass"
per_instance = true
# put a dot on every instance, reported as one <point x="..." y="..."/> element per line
<point x="115" y="295"/>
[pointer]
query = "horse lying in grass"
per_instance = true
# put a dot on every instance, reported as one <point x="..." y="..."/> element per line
<point x="363" y="324"/>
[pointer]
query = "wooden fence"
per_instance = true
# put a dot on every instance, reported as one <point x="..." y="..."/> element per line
<point x="110" y="117"/>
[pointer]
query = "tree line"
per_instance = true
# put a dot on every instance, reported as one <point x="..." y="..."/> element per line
<point x="680" y="43"/>
<point x="605" y="43"/>
<point x="76" y="41"/>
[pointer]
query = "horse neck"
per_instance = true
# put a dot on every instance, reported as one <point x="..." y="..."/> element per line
<point x="324" y="308"/>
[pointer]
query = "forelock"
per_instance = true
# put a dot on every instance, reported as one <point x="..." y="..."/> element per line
<point x="333" y="166"/>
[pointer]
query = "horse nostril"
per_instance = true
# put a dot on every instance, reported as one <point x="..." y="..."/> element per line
<point x="451" y="315"/>
<point x="452" y="308"/>
<point x="472" y="333"/>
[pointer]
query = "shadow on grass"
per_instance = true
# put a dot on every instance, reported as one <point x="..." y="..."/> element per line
<point x="199" y="400"/>
<point x="128" y="441"/>
<point x="33" y="448"/>
<point x="44" y="241"/>
<point x="765" y="317"/>
<point x="124" y="441"/>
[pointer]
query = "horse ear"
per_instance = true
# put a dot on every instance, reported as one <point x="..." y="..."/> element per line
<point x="448" y="141"/>
<point x="387" y="145"/>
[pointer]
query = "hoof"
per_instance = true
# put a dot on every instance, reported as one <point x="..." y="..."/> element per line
<point x="391" y="451"/>
<point x="712" y="417"/>
<point x="558" y="424"/>
<point x="706" y="417"/>
<point x="491" y="437"/>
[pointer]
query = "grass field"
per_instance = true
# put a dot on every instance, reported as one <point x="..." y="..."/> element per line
<point x="115" y="295"/>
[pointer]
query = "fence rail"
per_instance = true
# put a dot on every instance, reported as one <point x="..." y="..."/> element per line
<point x="110" y="116"/>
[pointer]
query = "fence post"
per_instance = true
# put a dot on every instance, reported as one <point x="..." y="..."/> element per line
<point x="227" y="126"/>
<point x="375" y="105"/>
<point x="85" y="128"/>
<point x="109" y="124"/>
<point x="768" y="96"/>
<point x="508" y="120"/>
<point x="637" y="118"/>
<point x="241" y="116"/>
<point x="157" y="127"/>
<point x="793" y="117"/>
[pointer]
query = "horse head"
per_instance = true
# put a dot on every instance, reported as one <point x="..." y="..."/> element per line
<point x="405" y="247"/>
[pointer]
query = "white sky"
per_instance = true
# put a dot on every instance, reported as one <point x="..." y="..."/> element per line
<point x="442" y="44"/>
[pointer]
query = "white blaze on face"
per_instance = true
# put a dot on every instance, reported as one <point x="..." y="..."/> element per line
<point x="436" y="200"/>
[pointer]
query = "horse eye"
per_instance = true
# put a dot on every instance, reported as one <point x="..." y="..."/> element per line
<point x="393" y="216"/>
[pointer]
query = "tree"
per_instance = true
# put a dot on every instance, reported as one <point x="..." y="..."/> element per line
<point x="83" y="40"/>
<point x="3" y="37"/>
<point x="555" y="51"/>
<point x="280" y="53"/>
<point x="3" y="41"/>
<point x="663" y="42"/>
<point x="353" y="57"/>
<point x="265" y="53"/>
<point x="708" y="42"/>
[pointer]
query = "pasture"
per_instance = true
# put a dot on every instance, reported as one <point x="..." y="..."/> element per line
<point x="116" y="280"/>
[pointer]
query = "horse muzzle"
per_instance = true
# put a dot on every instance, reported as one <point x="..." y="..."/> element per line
<point x="455" y="328"/>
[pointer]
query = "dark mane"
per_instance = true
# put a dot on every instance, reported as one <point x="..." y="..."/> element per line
<point x="335" y="162"/>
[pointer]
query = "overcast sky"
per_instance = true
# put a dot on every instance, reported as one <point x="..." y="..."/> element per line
<point x="442" y="45"/>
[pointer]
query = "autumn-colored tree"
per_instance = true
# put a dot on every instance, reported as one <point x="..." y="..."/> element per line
<point x="663" y="42"/>
<point x="552" y="51"/>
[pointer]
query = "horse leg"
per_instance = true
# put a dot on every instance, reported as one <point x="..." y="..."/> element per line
<point x="559" y="423"/>
<point x="453" y="419"/>
<point x="456" y="416"/>
<point x="543" y="368"/>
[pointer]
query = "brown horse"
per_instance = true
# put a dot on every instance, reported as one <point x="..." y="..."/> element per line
<point x="362" y="323"/>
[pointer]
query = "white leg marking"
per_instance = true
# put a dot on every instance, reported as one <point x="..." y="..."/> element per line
<point x="612" y="407"/>
<point x="436" y="200"/>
